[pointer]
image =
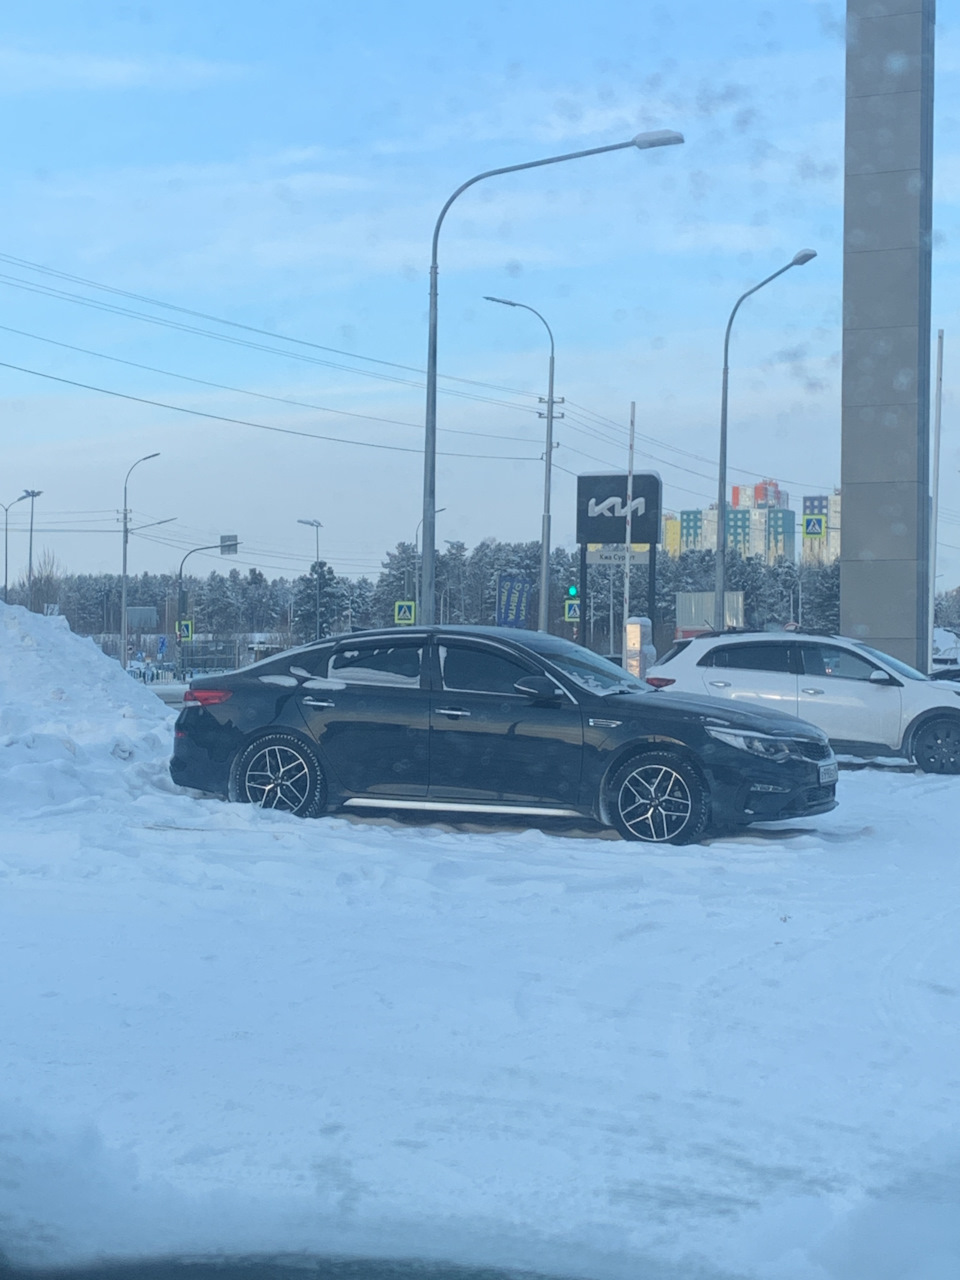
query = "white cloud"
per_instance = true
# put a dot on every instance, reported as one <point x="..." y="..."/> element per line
<point x="28" y="71"/>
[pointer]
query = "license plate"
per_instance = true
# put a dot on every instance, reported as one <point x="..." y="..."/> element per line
<point x="828" y="774"/>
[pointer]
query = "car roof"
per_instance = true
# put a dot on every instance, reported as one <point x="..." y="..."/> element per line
<point x="751" y="637"/>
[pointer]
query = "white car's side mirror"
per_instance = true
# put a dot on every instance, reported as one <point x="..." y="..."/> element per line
<point x="880" y="677"/>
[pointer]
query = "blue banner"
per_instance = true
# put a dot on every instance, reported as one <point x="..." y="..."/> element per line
<point x="513" y="599"/>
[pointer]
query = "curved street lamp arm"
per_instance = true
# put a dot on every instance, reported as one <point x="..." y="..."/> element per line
<point x="213" y="546"/>
<point x="515" y="168"/>
<point x="743" y="297"/>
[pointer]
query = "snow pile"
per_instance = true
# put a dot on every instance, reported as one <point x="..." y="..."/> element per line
<point x="69" y="716"/>
<point x="226" y="1030"/>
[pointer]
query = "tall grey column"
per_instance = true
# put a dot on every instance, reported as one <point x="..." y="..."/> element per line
<point x="884" y="556"/>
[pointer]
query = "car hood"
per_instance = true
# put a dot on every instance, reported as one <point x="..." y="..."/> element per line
<point x="759" y="720"/>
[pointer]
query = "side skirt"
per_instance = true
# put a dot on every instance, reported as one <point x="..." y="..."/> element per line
<point x="456" y="806"/>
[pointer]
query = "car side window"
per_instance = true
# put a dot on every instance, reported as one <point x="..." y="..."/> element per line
<point x="396" y="665"/>
<point x="750" y="657"/>
<point x="477" y="670"/>
<point x="827" y="660"/>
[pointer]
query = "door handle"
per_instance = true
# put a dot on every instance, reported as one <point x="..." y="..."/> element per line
<point x="720" y="684"/>
<point x="456" y="712"/>
<point x="318" y="702"/>
<point x="811" y="691"/>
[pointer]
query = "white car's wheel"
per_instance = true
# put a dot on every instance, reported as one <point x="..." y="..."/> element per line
<point x="936" y="745"/>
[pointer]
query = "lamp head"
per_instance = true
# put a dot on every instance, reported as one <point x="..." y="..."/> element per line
<point x="804" y="256"/>
<point x="504" y="302"/>
<point x="657" y="138"/>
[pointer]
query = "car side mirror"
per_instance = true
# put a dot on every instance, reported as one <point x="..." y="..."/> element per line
<point x="881" y="677"/>
<point x="538" y="689"/>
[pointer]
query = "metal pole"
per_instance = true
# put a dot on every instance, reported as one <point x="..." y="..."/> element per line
<point x="181" y="599"/>
<point x="626" y="560"/>
<point x="643" y="142"/>
<point x="123" y="576"/>
<point x="31" y="494"/>
<point x="610" y="631"/>
<point x="316" y="567"/>
<point x="935" y="506"/>
<point x="719" y="611"/>
<point x="6" y="536"/>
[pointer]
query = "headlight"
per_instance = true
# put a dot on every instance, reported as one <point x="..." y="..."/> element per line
<point x="758" y="744"/>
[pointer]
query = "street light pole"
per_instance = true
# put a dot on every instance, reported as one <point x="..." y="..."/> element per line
<point x="182" y="604"/>
<point x="6" y="535"/>
<point x="643" y="141"/>
<point x="32" y="494"/>
<point x="316" y="526"/>
<point x="719" y="611"/>
<point x="123" y="575"/>
<point x="417" y="592"/>
<point x="543" y="612"/>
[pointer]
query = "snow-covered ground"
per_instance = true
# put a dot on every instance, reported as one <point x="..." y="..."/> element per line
<point x="226" y="1030"/>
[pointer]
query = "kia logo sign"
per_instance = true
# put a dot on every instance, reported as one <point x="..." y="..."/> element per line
<point x="614" y="507"/>
<point x="602" y="508"/>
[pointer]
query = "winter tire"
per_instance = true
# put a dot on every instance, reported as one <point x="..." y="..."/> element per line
<point x="658" y="798"/>
<point x="936" y="745"/>
<point x="280" y="772"/>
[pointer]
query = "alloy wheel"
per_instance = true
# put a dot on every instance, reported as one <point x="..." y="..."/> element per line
<point x="655" y="802"/>
<point x="278" y="777"/>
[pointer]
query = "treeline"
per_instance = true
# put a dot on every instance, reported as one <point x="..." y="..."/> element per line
<point x="226" y="606"/>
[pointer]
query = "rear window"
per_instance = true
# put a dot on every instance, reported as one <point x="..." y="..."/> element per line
<point x="750" y="657"/>
<point x="672" y="652"/>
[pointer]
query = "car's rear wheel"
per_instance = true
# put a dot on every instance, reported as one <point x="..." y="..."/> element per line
<point x="936" y="745"/>
<point x="280" y="772"/>
<point x="659" y="798"/>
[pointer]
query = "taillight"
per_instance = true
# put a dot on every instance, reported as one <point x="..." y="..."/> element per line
<point x="660" y="682"/>
<point x="207" y="697"/>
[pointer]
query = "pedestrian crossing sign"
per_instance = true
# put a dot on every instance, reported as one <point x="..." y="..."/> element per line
<point x="404" y="613"/>
<point x="814" y="526"/>
<point x="185" y="629"/>
<point x="571" y="610"/>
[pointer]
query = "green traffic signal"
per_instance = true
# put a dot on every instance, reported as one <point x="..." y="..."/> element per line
<point x="572" y="591"/>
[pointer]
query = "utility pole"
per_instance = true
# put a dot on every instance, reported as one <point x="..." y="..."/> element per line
<point x="6" y="536"/>
<point x="31" y="494"/>
<point x="316" y="526"/>
<point x="123" y="575"/>
<point x="626" y="560"/>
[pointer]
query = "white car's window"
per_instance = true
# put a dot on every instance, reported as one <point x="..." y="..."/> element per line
<point x="750" y="657"/>
<point x="477" y="670"/>
<point x="901" y="668"/>
<point x="389" y="664"/>
<point x="828" y="660"/>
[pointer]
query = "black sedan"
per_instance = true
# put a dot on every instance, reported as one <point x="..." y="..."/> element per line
<point x="478" y="720"/>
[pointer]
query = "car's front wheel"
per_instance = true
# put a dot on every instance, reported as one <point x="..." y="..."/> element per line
<point x="936" y="745"/>
<point x="658" y="798"/>
<point x="280" y="772"/>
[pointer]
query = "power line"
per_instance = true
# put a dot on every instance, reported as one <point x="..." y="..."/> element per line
<point x="260" y="426"/>
<point x="63" y="295"/>
<point x="260" y="395"/>
<point x="235" y="324"/>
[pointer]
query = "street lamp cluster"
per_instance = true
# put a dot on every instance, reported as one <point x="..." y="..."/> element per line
<point x="426" y="611"/>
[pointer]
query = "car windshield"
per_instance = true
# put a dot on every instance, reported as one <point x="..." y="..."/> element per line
<point x="901" y="668"/>
<point x="598" y="675"/>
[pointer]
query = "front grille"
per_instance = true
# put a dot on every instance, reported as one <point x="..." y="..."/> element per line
<point x="812" y="750"/>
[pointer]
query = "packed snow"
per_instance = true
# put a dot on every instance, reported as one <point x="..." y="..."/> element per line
<point x="229" y="1031"/>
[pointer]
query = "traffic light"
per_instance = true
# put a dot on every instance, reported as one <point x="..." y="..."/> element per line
<point x="572" y="591"/>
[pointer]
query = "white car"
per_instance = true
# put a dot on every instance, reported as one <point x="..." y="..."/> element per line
<point x="866" y="702"/>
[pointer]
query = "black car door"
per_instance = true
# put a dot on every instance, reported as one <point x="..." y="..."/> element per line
<point x="489" y="743"/>
<point x="370" y="714"/>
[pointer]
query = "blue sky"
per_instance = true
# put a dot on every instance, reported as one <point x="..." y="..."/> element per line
<point x="281" y="166"/>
